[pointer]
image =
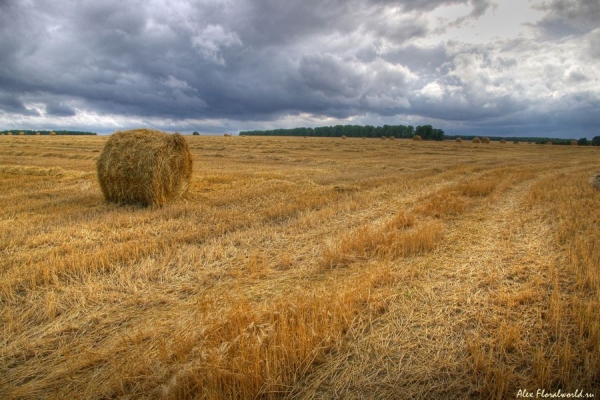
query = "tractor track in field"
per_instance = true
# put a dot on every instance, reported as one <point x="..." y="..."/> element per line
<point x="486" y="279"/>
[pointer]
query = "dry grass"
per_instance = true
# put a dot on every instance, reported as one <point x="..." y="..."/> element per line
<point x="300" y="269"/>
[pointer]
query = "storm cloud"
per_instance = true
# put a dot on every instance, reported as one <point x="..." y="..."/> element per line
<point x="466" y="66"/>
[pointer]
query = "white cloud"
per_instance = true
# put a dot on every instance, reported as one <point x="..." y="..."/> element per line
<point x="212" y="39"/>
<point x="433" y="90"/>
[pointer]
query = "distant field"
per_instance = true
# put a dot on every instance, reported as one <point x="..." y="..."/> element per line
<point x="303" y="268"/>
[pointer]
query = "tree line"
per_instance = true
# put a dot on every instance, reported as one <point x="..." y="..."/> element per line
<point x="30" y="132"/>
<point x="427" y="132"/>
<point x="538" y="140"/>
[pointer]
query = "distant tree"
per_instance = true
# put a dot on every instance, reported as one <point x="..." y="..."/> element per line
<point x="583" y="142"/>
<point x="596" y="141"/>
<point x="427" y="132"/>
<point x="424" y="131"/>
<point x="196" y="133"/>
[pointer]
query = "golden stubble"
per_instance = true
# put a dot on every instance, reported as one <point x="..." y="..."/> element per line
<point x="302" y="267"/>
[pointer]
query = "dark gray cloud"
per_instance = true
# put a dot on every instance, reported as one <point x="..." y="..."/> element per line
<point x="568" y="17"/>
<point x="235" y="65"/>
<point x="480" y="7"/>
<point x="11" y="104"/>
<point x="59" y="110"/>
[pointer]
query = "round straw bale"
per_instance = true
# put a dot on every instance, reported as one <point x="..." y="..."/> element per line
<point x="476" y="140"/>
<point x="417" y="138"/>
<point x="144" y="166"/>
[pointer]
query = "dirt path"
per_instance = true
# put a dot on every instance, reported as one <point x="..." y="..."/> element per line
<point x="456" y="311"/>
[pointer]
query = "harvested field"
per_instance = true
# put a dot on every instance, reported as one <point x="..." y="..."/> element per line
<point x="303" y="268"/>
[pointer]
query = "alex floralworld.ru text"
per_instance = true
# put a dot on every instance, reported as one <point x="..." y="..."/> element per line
<point x="543" y="394"/>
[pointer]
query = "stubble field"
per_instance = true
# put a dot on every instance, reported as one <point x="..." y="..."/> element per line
<point x="303" y="268"/>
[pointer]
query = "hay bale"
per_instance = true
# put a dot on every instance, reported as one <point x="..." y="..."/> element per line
<point x="144" y="166"/>
<point x="52" y="133"/>
<point x="549" y="143"/>
<point x="417" y="138"/>
<point x="485" y="140"/>
<point x="574" y="143"/>
<point x="21" y="133"/>
<point x="343" y="136"/>
<point x="476" y="140"/>
<point x="37" y="134"/>
<point x="227" y="135"/>
<point x="458" y="140"/>
<point x="503" y="141"/>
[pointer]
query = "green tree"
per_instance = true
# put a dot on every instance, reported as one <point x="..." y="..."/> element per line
<point x="438" y="134"/>
<point x="596" y="141"/>
<point x="425" y="131"/>
<point x="583" y="142"/>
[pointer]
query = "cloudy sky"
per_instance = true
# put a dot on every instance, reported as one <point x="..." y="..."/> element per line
<point x="493" y="67"/>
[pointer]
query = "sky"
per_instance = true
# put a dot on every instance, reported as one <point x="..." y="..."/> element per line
<point x="472" y="67"/>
